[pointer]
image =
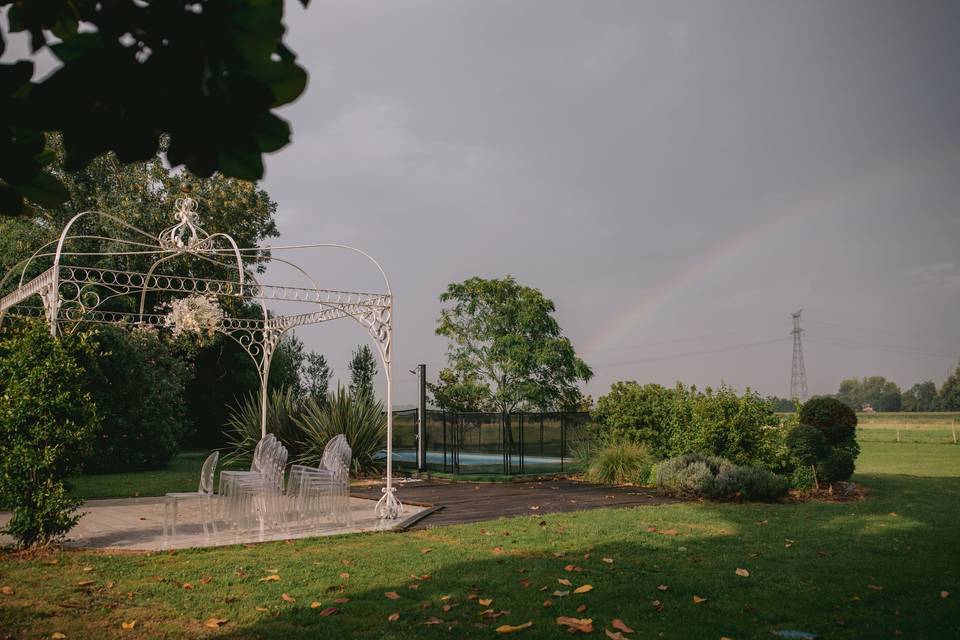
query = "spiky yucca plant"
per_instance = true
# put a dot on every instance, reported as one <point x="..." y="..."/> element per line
<point x="359" y="418"/>
<point x="243" y="424"/>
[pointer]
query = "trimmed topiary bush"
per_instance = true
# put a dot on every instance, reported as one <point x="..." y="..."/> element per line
<point x="835" y="420"/>
<point x="838" y="465"/>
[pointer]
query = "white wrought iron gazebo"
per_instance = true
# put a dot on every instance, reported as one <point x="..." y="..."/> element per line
<point x="71" y="294"/>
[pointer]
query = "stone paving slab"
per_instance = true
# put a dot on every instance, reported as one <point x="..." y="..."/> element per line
<point x="136" y="524"/>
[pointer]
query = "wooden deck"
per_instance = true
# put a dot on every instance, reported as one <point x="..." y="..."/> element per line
<point x="475" y="501"/>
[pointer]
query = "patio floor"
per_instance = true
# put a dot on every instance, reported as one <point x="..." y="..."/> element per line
<point x="136" y="524"/>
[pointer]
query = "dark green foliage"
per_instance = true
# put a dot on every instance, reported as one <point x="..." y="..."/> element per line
<point x="507" y="348"/>
<point x="210" y="78"/>
<point x="836" y="420"/>
<point x="836" y="466"/>
<point x="137" y="384"/>
<point x="316" y="376"/>
<point x="459" y="392"/>
<point x="807" y="444"/>
<point x="876" y="391"/>
<point x="243" y="424"/>
<point x="680" y="420"/>
<point x="363" y="369"/>
<point x="803" y="478"/>
<point x="47" y="420"/>
<point x="358" y="417"/>
<point x="949" y="399"/>
<point x="700" y="476"/>
<point x="920" y="397"/>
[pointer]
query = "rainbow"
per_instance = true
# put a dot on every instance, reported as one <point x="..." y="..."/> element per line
<point x="841" y="198"/>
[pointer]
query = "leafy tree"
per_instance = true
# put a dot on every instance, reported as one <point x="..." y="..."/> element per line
<point x="459" y="392"/>
<point x="287" y="366"/>
<point x="137" y="384"/>
<point x="950" y="392"/>
<point x="641" y="413"/>
<point x="782" y="405"/>
<point x="208" y="73"/>
<point x="316" y="376"/>
<point x="47" y="422"/>
<point x="920" y="397"/>
<point x="877" y="391"/>
<point x="808" y="446"/>
<point x="363" y="369"/>
<point x="503" y="336"/>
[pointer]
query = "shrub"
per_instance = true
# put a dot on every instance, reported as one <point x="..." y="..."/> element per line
<point x="803" y="478"/>
<point x="616" y="461"/>
<point x="243" y="424"/>
<point x="836" y="466"/>
<point x="679" y="420"/>
<point x="697" y="475"/>
<point x="138" y="386"/>
<point x="360" y="419"/>
<point x="750" y="483"/>
<point x="836" y="420"/>
<point x="47" y="420"/>
<point x="807" y="444"/>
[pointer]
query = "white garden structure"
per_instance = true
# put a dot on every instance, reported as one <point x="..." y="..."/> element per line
<point x="52" y="283"/>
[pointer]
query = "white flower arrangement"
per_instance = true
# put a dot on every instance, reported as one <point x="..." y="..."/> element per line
<point x="197" y="314"/>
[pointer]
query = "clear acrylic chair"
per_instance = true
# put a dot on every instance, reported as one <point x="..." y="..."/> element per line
<point x="231" y="480"/>
<point x="325" y="490"/>
<point x="204" y="494"/>
<point x="256" y="498"/>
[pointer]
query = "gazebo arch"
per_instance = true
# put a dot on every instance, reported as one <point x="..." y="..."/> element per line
<point x="71" y="294"/>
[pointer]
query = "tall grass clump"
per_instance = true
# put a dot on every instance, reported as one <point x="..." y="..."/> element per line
<point x="243" y="424"/>
<point x="615" y="461"/>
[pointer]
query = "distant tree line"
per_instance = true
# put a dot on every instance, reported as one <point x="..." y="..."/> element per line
<point x="884" y="395"/>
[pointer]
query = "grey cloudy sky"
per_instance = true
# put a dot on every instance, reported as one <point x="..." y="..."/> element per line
<point x="662" y="170"/>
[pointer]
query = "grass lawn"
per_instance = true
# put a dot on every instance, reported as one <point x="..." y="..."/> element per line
<point x="183" y="474"/>
<point x="869" y="569"/>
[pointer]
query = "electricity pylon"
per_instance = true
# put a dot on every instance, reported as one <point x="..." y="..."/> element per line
<point x="798" y="374"/>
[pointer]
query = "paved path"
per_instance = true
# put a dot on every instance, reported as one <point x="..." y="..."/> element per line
<point x="475" y="501"/>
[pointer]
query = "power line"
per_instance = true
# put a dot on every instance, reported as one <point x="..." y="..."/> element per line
<point x="688" y="354"/>
<point x="873" y="346"/>
<point x="922" y="336"/>
<point x="643" y="345"/>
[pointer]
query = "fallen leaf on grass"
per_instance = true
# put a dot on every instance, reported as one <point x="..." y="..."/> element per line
<point x="497" y="550"/>
<point x="669" y="532"/>
<point x="565" y="582"/>
<point x="491" y="614"/>
<point x="329" y="611"/>
<point x="584" y="588"/>
<point x="698" y="599"/>
<point x="662" y="587"/>
<point x="87" y="569"/>
<point x="620" y="626"/>
<point x="944" y="594"/>
<point x="446" y="608"/>
<point x="525" y="582"/>
<point x="393" y="617"/>
<point x="85" y="583"/>
<point x="270" y="578"/>
<point x="58" y="636"/>
<point x="433" y="620"/>
<point x="345" y="575"/>
<point x="128" y="626"/>
<point x="288" y="598"/>
<point x="485" y="602"/>
<point x="560" y="594"/>
<point x="426" y="551"/>
<point x="341" y="600"/>
<point x="314" y="605"/>
<point x="205" y="580"/>
<point x="214" y="623"/>
<point x="657" y="605"/>
<point x="608" y="560"/>
<point x="743" y="573"/>
<point x="187" y="585"/>
<point x="6" y="590"/>
<point x="262" y="609"/>
<point x="583" y="625"/>
<point x="392" y="595"/>
<point x="874" y="587"/>
<point x="547" y="604"/>
<point x="613" y="635"/>
<point x="581" y="608"/>
<point x="511" y="628"/>
<point x="572" y="567"/>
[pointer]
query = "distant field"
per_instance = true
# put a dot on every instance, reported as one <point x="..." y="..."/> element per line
<point x="927" y="428"/>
